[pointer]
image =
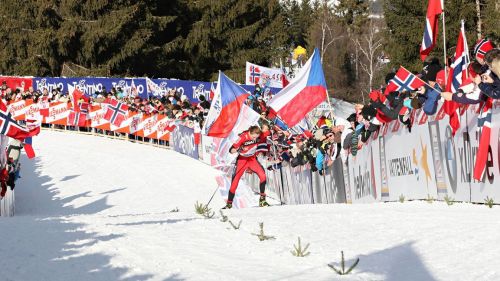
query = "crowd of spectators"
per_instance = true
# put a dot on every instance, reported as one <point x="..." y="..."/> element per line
<point x="330" y="137"/>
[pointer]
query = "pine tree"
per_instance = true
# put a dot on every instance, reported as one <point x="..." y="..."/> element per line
<point x="122" y="37"/>
<point x="228" y="33"/>
<point x="353" y="14"/>
<point x="405" y="27"/>
<point x="491" y="19"/>
<point x="405" y="22"/>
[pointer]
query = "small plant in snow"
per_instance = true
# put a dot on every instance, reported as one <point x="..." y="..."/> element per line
<point x="261" y="235"/>
<point x="429" y="200"/>
<point x="235" y="227"/>
<point x="341" y="270"/>
<point x="176" y="210"/>
<point x="489" y="201"/>
<point x="401" y="198"/>
<point x="203" y="210"/>
<point x="223" y="217"/>
<point x="299" y="251"/>
<point x="449" y="200"/>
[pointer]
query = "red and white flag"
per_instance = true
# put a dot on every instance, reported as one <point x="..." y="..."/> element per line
<point x="57" y="113"/>
<point x="303" y="94"/>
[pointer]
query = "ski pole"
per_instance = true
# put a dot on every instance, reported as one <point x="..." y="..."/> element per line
<point x="215" y="191"/>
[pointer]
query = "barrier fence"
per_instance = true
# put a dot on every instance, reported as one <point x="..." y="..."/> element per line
<point x="426" y="163"/>
<point x="429" y="162"/>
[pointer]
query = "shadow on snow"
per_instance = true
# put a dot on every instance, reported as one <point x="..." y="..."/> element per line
<point x="40" y="244"/>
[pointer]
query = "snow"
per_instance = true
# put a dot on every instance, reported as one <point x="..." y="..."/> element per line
<point x="92" y="208"/>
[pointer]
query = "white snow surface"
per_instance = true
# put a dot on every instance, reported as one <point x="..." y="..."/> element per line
<point x="92" y="208"/>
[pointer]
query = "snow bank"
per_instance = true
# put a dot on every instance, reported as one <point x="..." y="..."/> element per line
<point x="91" y="208"/>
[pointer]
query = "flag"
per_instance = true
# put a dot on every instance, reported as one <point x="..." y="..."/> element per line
<point x="434" y="9"/>
<point x="303" y="94"/>
<point x="212" y="91"/>
<point x="9" y="126"/>
<point x="28" y="147"/>
<point x="460" y="65"/>
<point x="225" y="108"/>
<point x="284" y="78"/>
<point x="33" y="126"/>
<point x="484" y="131"/>
<point x="83" y="107"/>
<point x="133" y="90"/>
<point x="458" y="73"/>
<point x="76" y="95"/>
<point x="76" y="118"/>
<point x="404" y="80"/>
<point x="116" y="112"/>
<point x="153" y="88"/>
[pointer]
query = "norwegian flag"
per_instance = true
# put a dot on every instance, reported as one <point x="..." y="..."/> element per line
<point x="83" y="107"/>
<point x="484" y="130"/>
<point x="76" y="118"/>
<point x="434" y="9"/>
<point x="116" y="112"/>
<point x="254" y="74"/>
<point x="9" y="126"/>
<point x="458" y="73"/>
<point x="460" y="65"/>
<point x="404" y="80"/>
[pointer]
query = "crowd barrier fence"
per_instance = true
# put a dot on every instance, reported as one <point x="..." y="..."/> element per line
<point x="427" y="163"/>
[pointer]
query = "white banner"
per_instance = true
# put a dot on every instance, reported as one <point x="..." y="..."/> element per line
<point x="264" y="76"/>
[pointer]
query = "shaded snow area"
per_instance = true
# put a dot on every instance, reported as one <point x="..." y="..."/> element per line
<point x="91" y="208"/>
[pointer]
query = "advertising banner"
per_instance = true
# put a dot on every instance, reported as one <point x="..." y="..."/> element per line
<point x="256" y="74"/>
<point x="334" y="183"/>
<point x="362" y="170"/>
<point x="182" y="141"/>
<point x="409" y="167"/>
<point x="92" y="85"/>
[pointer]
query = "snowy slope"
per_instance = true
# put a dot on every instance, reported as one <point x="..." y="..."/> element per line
<point x="90" y="208"/>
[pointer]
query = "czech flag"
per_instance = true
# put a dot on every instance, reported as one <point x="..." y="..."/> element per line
<point x="303" y="94"/>
<point x="28" y="147"/>
<point x="226" y="107"/>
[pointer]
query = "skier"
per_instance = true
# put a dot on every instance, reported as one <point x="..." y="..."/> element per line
<point x="246" y="147"/>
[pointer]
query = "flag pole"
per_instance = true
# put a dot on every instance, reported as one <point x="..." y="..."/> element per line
<point x="444" y="50"/>
<point x="330" y="105"/>
<point x="462" y="30"/>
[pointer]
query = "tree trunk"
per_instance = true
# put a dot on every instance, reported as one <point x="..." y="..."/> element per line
<point x="479" y="22"/>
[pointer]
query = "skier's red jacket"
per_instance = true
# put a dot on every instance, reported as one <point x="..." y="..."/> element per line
<point x="246" y="146"/>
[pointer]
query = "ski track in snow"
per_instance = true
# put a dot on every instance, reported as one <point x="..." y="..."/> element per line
<point x="92" y="208"/>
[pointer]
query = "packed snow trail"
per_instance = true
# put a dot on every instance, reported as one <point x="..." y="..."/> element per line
<point x="92" y="208"/>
